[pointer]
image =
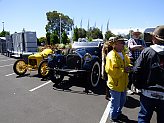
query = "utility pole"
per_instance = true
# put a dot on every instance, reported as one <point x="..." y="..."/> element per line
<point x="60" y="28"/>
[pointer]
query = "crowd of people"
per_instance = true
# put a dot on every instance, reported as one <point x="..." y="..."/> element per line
<point x="142" y="67"/>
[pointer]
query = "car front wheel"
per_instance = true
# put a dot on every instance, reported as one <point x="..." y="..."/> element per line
<point x="43" y="69"/>
<point x="95" y="74"/>
<point x="20" y="67"/>
<point x="55" y="77"/>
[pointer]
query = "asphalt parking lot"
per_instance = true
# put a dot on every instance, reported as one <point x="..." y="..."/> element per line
<point x="29" y="99"/>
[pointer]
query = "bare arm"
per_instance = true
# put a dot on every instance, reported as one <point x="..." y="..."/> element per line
<point x="133" y="45"/>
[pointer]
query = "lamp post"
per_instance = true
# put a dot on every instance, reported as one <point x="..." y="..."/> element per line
<point x="3" y="26"/>
<point x="60" y="28"/>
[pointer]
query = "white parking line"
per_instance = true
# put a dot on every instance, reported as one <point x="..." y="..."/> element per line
<point x="106" y="114"/>
<point x="40" y="86"/>
<point x="10" y="74"/>
<point x="6" y="65"/>
<point x="6" y="60"/>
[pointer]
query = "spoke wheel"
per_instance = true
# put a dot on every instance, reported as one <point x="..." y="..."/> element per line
<point x="20" y="67"/>
<point x="43" y="69"/>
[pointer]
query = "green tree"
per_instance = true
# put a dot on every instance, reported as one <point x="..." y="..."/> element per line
<point x="82" y="33"/>
<point x="64" y="38"/>
<point x="54" y="38"/>
<point x="48" y="38"/>
<point x="42" y="40"/>
<point x="79" y="33"/>
<point x="54" y="18"/>
<point x="96" y="33"/>
<point x="109" y="34"/>
<point x="120" y="36"/>
<point x="4" y="33"/>
<point x="75" y="35"/>
<point x="89" y="34"/>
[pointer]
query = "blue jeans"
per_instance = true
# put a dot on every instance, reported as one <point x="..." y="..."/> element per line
<point x="118" y="100"/>
<point x="147" y="106"/>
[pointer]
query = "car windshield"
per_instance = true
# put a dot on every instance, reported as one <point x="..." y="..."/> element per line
<point x="85" y="44"/>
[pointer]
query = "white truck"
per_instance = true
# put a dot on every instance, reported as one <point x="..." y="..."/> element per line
<point x="22" y="43"/>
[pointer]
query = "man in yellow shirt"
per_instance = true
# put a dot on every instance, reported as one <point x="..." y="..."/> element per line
<point x="117" y="68"/>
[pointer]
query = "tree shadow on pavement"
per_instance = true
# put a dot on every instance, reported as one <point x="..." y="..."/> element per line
<point x="132" y="102"/>
<point x="25" y="75"/>
<point x="132" y="121"/>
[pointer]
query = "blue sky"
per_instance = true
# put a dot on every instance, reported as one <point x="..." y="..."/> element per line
<point x="122" y="14"/>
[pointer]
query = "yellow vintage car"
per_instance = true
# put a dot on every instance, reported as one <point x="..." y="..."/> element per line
<point x="35" y="62"/>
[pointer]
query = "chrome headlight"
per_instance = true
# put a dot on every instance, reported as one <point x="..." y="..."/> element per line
<point x="50" y="56"/>
<point x="87" y="57"/>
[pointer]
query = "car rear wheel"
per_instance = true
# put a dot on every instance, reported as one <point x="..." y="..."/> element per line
<point x="55" y="77"/>
<point x="95" y="74"/>
<point x="43" y="69"/>
<point x="20" y="67"/>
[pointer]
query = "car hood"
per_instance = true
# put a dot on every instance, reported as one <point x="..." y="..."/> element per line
<point x="37" y="55"/>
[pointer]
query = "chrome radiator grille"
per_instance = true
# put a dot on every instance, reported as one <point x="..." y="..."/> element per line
<point x="73" y="61"/>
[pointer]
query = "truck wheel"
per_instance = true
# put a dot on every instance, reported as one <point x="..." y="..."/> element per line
<point x="55" y="77"/>
<point x="43" y="69"/>
<point x="20" y="67"/>
<point x="95" y="74"/>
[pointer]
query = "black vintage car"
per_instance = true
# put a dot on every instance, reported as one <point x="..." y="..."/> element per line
<point x="83" y="60"/>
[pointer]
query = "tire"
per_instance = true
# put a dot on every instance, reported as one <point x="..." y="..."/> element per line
<point x="94" y="76"/>
<point x="55" y="77"/>
<point x="20" y="67"/>
<point x="43" y="71"/>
